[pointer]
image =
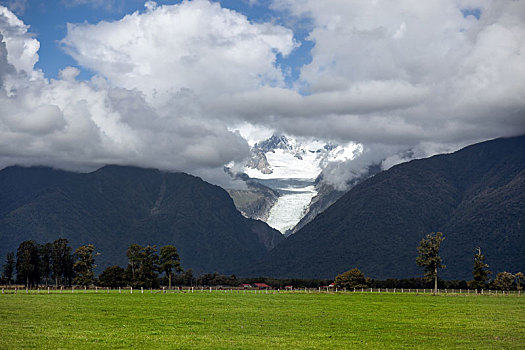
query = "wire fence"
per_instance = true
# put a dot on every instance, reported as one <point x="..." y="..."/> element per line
<point x="225" y="289"/>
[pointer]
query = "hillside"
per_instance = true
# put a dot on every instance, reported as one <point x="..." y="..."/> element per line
<point x="116" y="206"/>
<point x="475" y="196"/>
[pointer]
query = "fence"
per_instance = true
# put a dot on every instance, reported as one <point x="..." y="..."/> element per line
<point x="16" y="289"/>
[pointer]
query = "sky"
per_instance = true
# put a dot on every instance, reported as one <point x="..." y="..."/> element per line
<point x="186" y="85"/>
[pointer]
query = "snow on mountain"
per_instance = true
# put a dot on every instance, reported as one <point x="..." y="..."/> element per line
<point x="291" y="207"/>
<point x="290" y="167"/>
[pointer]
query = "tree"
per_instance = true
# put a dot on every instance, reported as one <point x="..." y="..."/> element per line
<point x="149" y="267"/>
<point x="169" y="262"/>
<point x="503" y="281"/>
<point x="45" y="261"/>
<point x="351" y="279"/>
<point x="133" y="253"/>
<point x="84" y="265"/>
<point x="113" y="276"/>
<point x="480" y="272"/>
<point x="9" y="268"/>
<point x="27" y="263"/>
<point x="143" y="265"/>
<point x="429" y="256"/>
<point x="61" y="260"/>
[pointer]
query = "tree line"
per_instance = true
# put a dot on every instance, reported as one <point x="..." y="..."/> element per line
<point x="42" y="263"/>
<point x="430" y="260"/>
<point x="56" y="262"/>
<point x="35" y="262"/>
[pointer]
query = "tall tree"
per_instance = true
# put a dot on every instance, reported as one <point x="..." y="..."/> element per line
<point x="429" y="256"/>
<point x="9" y="267"/>
<point x="45" y="261"/>
<point x="84" y="265"/>
<point x="143" y="265"/>
<point x="133" y="253"/>
<point x="61" y="260"/>
<point x="480" y="272"/>
<point x="27" y="263"/>
<point x="169" y="262"/>
<point x="149" y="267"/>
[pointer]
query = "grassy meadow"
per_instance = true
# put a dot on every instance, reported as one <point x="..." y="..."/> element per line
<point x="237" y="320"/>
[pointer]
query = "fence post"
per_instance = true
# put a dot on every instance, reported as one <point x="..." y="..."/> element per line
<point x="192" y="289"/>
<point x="119" y="290"/>
<point x="72" y="289"/>
<point x="47" y="290"/>
<point x="2" y="290"/>
<point x="210" y="289"/>
<point x="16" y="290"/>
<point x="142" y="290"/>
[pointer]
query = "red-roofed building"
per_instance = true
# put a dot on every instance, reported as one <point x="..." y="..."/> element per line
<point x="261" y="286"/>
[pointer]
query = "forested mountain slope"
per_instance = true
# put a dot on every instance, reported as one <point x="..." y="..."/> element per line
<point x="116" y="206"/>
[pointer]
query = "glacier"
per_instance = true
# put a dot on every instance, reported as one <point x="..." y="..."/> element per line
<point x="295" y="167"/>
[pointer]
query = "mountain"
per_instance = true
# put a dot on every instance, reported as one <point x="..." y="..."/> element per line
<point x="475" y="196"/>
<point x="289" y="167"/>
<point x="116" y="206"/>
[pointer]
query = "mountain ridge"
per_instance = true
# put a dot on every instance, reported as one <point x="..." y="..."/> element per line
<point x="377" y="225"/>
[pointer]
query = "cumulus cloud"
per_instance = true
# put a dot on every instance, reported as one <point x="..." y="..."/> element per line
<point x="195" y="45"/>
<point x="81" y="125"/>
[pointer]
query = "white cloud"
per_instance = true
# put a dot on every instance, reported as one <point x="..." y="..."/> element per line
<point x="196" y="45"/>
<point x="82" y="125"/>
<point x="417" y="65"/>
<point x="21" y="47"/>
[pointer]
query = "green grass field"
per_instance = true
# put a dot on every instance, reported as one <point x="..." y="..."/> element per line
<point x="236" y="320"/>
